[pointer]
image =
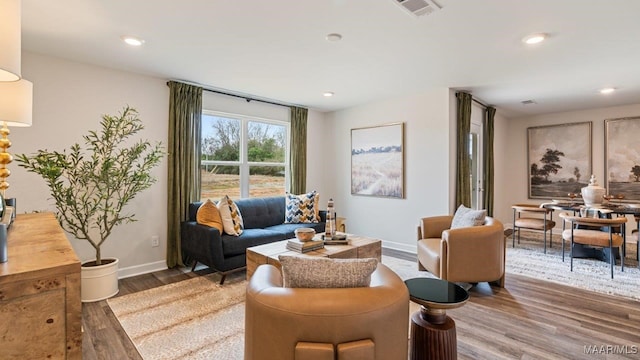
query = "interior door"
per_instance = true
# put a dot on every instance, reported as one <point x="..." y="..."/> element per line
<point x="476" y="154"/>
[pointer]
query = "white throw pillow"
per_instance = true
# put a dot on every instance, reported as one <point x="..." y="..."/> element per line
<point x="465" y="217"/>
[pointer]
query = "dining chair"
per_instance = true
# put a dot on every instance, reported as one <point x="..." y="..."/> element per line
<point x="592" y="237"/>
<point x="532" y="217"/>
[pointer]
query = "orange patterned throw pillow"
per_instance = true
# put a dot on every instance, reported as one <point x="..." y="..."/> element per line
<point x="231" y="217"/>
<point x="208" y="214"/>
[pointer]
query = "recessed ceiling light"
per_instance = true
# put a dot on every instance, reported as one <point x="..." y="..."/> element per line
<point x="334" y="37"/>
<point x="133" y="41"/>
<point x="327" y="94"/>
<point x="608" y="90"/>
<point x="534" y="38"/>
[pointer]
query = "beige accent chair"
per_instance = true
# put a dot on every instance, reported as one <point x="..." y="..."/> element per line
<point x="596" y="238"/>
<point x="533" y="217"/>
<point x="469" y="254"/>
<point x="333" y="323"/>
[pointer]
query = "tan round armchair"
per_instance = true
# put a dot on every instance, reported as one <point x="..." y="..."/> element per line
<point x="330" y="323"/>
<point x="469" y="254"/>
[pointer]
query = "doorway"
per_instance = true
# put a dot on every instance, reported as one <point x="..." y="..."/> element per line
<point x="476" y="150"/>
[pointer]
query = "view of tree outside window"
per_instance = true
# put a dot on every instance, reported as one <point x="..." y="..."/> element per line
<point x="242" y="157"/>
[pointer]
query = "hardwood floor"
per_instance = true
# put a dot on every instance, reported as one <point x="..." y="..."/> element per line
<point x="527" y="319"/>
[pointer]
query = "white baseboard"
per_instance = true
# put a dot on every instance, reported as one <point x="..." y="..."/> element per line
<point x="141" y="269"/>
<point x="400" y="246"/>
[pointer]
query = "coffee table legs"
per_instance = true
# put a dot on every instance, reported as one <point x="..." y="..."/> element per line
<point x="433" y="335"/>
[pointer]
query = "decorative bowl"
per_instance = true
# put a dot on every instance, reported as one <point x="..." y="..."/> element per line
<point x="305" y="234"/>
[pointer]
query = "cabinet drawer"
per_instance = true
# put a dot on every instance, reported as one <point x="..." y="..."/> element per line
<point x="37" y="325"/>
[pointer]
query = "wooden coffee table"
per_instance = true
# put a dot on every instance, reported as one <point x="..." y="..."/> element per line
<point x="359" y="247"/>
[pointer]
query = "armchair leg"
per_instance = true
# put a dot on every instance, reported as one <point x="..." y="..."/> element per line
<point x="195" y="262"/>
<point x="499" y="282"/>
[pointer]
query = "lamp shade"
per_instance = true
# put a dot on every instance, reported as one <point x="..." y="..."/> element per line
<point x="16" y="102"/>
<point x="10" y="40"/>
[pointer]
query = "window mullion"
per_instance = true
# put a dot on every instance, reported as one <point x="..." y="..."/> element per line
<point x="244" y="157"/>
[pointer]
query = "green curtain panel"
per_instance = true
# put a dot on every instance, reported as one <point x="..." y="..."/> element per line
<point x="488" y="160"/>
<point x="298" y="151"/>
<point x="185" y="113"/>
<point x="463" y="162"/>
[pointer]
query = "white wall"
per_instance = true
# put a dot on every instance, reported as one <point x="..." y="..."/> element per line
<point x="515" y="189"/>
<point x="427" y="154"/>
<point x="502" y="176"/>
<point x="318" y="161"/>
<point x="69" y="100"/>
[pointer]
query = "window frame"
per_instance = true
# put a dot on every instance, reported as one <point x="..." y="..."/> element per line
<point x="243" y="164"/>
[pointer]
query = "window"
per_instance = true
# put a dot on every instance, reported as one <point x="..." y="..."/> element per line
<point x="243" y="156"/>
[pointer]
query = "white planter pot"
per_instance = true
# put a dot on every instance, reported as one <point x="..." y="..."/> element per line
<point x="99" y="282"/>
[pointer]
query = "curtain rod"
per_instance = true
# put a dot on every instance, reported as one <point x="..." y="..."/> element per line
<point x="479" y="102"/>
<point x="248" y="99"/>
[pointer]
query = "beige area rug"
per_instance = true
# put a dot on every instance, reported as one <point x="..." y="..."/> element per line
<point x="191" y="319"/>
<point x="199" y="319"/>
<point x="528" y="259"/>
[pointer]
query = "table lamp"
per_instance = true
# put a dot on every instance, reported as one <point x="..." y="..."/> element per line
<point x="10" y="40"/>
<point x="16" y="103"/>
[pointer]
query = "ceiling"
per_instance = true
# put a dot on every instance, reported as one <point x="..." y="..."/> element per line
<point x="278" y="49"/>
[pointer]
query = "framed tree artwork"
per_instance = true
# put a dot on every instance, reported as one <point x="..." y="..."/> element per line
<point x="377" y="161"/>
<point x="622" y="158"/>
<point x="559" y="159"/>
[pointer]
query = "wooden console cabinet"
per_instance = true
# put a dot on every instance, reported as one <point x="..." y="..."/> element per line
<point x="40" y="308"/>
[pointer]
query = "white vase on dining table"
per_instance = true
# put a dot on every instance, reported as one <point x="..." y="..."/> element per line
<point x="593" y="194"/>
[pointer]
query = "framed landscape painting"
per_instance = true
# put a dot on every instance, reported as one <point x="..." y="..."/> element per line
<point x="377" y="161"/>
<point x="622" y="158"/>
<point x="559" y="159"/>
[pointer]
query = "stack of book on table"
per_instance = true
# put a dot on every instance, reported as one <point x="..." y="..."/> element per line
<point x="303" y="247"/>
<point x="337" y="239"/>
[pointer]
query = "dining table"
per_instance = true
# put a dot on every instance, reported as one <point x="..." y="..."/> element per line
<point x="602" y="210"/>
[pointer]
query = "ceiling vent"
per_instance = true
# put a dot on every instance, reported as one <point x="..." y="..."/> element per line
<point x="528" y="102"/>
<point x="418" y="7"/>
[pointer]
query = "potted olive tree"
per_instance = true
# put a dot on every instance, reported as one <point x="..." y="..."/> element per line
<point x="92" y="185"/>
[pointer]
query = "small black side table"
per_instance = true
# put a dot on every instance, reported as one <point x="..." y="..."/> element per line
<point x="433" y="333"/>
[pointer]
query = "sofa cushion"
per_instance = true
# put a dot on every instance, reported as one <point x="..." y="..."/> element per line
<point x="209" y="215"/>
<point x="262" y="212"/>
<point x="288" y="230"/>
<point x="320" y="272"/>
<point x="302" y="208"/>
<point x="237" y="245"/>
<point x="465" y="217"/>
<point x="231" y="216"/>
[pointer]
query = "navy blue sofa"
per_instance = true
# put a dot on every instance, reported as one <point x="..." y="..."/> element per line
<point x="263" y="223"/>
